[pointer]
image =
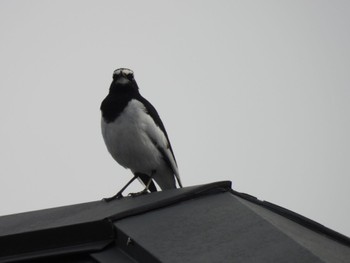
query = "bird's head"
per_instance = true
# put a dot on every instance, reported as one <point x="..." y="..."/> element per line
<point x="123" y="74"/>
<point x="123" y="79"/>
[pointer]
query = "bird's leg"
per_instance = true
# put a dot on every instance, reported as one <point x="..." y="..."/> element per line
<point x="119" y="194"/>
<point x="147" y="185"/>
<point x="144" y="191"/>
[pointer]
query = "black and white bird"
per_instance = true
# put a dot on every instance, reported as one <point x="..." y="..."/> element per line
<point x="135" y="135"/>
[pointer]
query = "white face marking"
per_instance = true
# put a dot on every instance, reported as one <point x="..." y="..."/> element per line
<point x="124" y="71"/>
<point x="117" y="72"/>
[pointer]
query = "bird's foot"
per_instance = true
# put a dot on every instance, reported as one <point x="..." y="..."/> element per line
<point x="143" y="192"/>
<point x="117" y="196"/>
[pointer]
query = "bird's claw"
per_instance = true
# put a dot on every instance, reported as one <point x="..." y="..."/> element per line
<point x="117" y="196"/>
<point x="143" y="192"/>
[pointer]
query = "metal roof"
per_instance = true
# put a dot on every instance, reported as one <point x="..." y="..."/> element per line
<point x="205" y="223"/>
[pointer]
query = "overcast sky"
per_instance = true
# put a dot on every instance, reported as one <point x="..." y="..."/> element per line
<point x="256" y="92"/>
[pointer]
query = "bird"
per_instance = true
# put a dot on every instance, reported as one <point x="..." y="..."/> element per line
<point x="135" y="136"/>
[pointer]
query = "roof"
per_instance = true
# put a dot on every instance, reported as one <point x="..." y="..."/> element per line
<point x="205" y="223"/>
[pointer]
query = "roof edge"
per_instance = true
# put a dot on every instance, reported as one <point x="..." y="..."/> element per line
<point x="297" y="218"/>
<point x="188" y="193"/>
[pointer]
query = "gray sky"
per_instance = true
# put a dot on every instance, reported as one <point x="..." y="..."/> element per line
<point x="256" y="92"/>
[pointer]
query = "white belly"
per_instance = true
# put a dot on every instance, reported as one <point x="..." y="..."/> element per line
<point x="127" y="141"/>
